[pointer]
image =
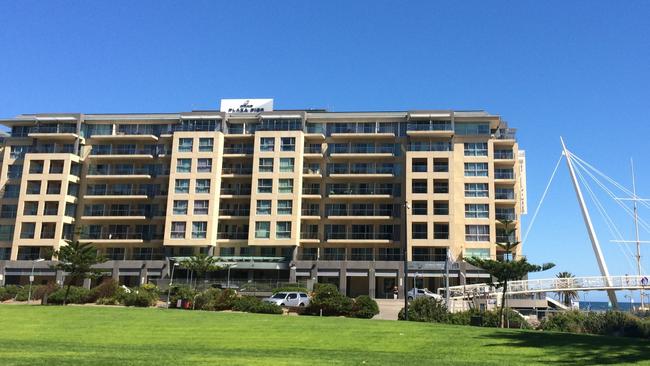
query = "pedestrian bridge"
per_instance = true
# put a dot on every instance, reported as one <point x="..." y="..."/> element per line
<point x="597" y="283"/>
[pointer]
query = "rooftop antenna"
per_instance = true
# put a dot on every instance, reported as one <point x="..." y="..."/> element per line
<point x="590" y="228"/>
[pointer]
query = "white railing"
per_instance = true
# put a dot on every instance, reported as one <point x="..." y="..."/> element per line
<point x="555" y="285"/>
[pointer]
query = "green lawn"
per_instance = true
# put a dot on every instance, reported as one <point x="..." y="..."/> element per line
<point x="84" y="335"/>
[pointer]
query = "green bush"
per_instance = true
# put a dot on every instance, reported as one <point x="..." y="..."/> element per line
<point x="8" y="292"/>
<point x="364" y="307"/>
<point x="426" y="309"/>
<point x="107" y="288"/>
<point x="40" y="292"/>
<point x="181" y="292"/>
<point x="328" y="300"/>
<point x="225" y="300"/>
<point x="77" y="295"/>
<point x="251" y="304"/>
<point x="290" y="288"/>
<point x="107" y="301"/>
<point x="143" y="297"/>
<point x="23" y="293"/>
<point x="207" y="299"/>
<point x="613" y="323"/>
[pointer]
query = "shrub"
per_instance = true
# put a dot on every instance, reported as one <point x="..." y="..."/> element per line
<point x="107" y="288"/>
<point x="425" y="309"/>
<point x="23" y="293"/>
<point x="328" y="300"/>
<point x="207" y="299"/>
<point x="251" y="304"/>
<point x="142" y="297"/>
<point x="181" y="292"/>
<point x="77" y="295"/>
<point x="108" y="301"/>
<point x="8" y="292"/>
<point x="613" y="323"/>
<point x="290" y="288"/>
<point x="41" y="291"/>
<point x="225" y="300"/>
<point x="364" y="307"/>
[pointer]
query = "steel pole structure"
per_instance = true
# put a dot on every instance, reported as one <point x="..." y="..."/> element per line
<point x="406" y="263"/>
<point x="636" y="229"/>
<point x="31" y="279"/>
<point x="590" y="228"/>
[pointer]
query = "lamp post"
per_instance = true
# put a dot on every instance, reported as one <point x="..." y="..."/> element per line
<point x="31" y="279"/>
<point x="229" y="267"/>
<point x="407" y="207"/>
<point x="171" y="281"/>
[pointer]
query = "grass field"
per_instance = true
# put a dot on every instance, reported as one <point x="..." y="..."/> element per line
<point x="84" y="335"/>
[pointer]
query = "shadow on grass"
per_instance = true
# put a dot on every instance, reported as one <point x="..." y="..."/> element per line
<point x="579" y="349"/>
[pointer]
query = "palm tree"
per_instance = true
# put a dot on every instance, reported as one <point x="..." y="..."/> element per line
<point x="566" y="296"/>
<point x="77" y="260"/>
<point x="202" y="264"/>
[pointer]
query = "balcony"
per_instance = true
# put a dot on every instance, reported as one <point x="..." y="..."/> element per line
<point x="118" y="237"/>
<point x="311" y="191"/>
<point x="52" y="150"/>
<point x="234" y="212"/>
<point x="61" y="132"/>
<point x="505" y="216"/>
<point x="503" y="155"/>
<point x="117" y="173"/>
<point x="140" y="193"/>
<point x="223" y="235"/>
<point x="361" y="130"/>
<point x="430" y="146"/>
<point x="362" y="151"/>
<point x="236" y="171"/>
<point x="238" y="150"/>
<point x="508" y="195"/>
<point x="365" y="237"/>
<point x="315" y="172"/>
<point x="132" y="214"/>
<point x="307" y="213"/>
<point x="131" y="134"/>
<point x="363" y="214"/>
<point x="236" y="191"/>
<point x="503" y="174"/>
<point x="122" y="153"/>
<point x="430" y="128"/>
<point x="313" y="150"/>
<point x="362" y="192"/>
<point x="506" y="134"/>
<point x="358" y="171"/>
<point x="309" y="235"/>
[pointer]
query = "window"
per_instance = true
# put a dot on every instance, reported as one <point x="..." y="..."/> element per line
<point x="288" y="144"/>
<point x="115" y="254"/>
<point x="142" y="254"/>
<point x="56" y="166"/>
<point x="476" y="189"/>
<point x="14" y="171"/>
<point x="440" y="165"/>
<point x="182" y="186"/>
<point x="361" y="254"/>
<point x="419" y="165"/>
<point x="206" y="144"/>
<point x="419" y="230"/>
<point x="419" y="208"/>
<point x="476" y="169"/>
<point x="476" y="149"/>
<point x="185" y="145"/>
<point x="477" y="252"/>
<point x="31" y="208"/>
<point x="202" y="186"/>
<point x="267" y="143"/>
<point x="283" y="230"/>
<point x="48" y="229"/>
<point x="285" y="207"/>
<point x="267" y="251"/>
<point x="178" y="230"/>
<point x="35" y="167"/>
<point x="11" y="191"/>
<point x="180" y="207"/>
<point x="477" y="232"/>
<point x="419" y="186"/>
<point x="51" y="208"/>
<point x="334" y="254"/>
<point x="440" y="186"/>
<point x="227" y="252"/>
<point x="286" y="165"/>
<point x="201" y="207"/>
<point x="34" y="187"/>
<point x="199" y="229"/>
<point x="5" y="254"/>
<point x="75" y="169"/>
<point x="67" y="232"/>
<point x="505" y="213"/>
<point x="472" y="128"/>
<point x="441" y="207"/>
<point x="70" y="209"/>
<point x="73" y="189"/>
<point x="262" y="230"/>
<point x="504" y="173"/>
<point x="27" y="230"/>
<point x="263" y="207"/>
<point x="501" y="193"/>
<point x="18" y="152"/>
<point x="8" y="211"/>
<point x="265" y="186"/>
<point x="285" y="186"/>
<point x="390" y="254"/>
<point x="204" y="165"/>
<point x="246" y="251"/>
<point x="183" y="165"/>
<point x="440" y="230"/>
<point x="53" y="187"/>
<point x="266" y="165"/>
<point x="6" y="233"/>
<point x="476" y="211"/>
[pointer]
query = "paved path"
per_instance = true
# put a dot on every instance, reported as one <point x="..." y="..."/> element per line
<point x="388" y="309"/>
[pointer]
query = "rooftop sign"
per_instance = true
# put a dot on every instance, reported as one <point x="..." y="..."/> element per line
<point x="246" y="105"/>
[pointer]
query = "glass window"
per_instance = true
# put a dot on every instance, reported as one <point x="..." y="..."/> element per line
<point x="476" y="169"/>
<point x="202" y="186"/>
<point x="265" y="186"/>
<point x="204" y="165"/>
<point x="70" y="209"/>
<point x="440" y="230"/>
<point x="440" y="186"/>
<point x="288" y="144"/>
<point x="263" y="207"/>
<point x="182" y="186"/>
<point x="201" y="207"/>
<point x="15" y="171"/>
<point x="51" y="208"/>
<point x="199" y="229"/>
<point x="285" y="207"/>
<point x="419" y="186"/>
<point x="476" y="211"/>
<point x="206" y="144"/>
<point x="283" y="230"/>
<point x="8" y="211"/>
<point x="440" y="207"/>
<point x="472" y="128"/>
<point x="6" y="233"/>
<point x="266" y="165"/>
<point x="267" y="143"/>
<point x="31" y="208"/>
<point x="53" y="187"/>
<point x="183" y="165"/>
<point x="11" y="191"/>
<point x="185" y="145"/>
<point x="476" y="149"/>
<point x="262" y="230"/>
<point x="34" y="187"/>
<point x="477" y="252"/>
<point x="180" y="207"/>
<point x="476" y="189"/>
<point x="178" y="230"/>
<point x="420" y="208"/>
<point x="35" y="167"/>
<point x="440" y="165"/>
<point x="27" y="230"/>
<point x="285" y="186"/>
<point x="477" y="232"/>
<point x="419" y="165"/>
<point x="286" y="165"/>
<point x="419" y="230"/>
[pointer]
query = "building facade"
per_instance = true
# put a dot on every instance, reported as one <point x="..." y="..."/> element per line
<point x="294" y="195"/>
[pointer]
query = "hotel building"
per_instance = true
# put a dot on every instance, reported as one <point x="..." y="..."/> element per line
<point x="292" y="195"/>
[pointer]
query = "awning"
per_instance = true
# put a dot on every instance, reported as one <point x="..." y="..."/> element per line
<point x="350" y="273"/>
<point x="328" y="273"/>
<point x="385" y="273"/>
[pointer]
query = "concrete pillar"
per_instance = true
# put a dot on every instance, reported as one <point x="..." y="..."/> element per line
<point x="87" y="282"/>
<point x="371" y="282"/>
<point x="462" y="273"/>
<point x="343" y="280"/>
<point x="3" y="273"/>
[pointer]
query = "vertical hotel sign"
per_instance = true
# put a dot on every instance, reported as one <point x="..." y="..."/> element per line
<point x="246" y="105"/>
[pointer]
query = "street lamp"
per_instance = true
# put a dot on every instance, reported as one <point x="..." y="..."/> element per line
<point x="229" y="267"/>
<point x="407" y="207"/>
<point x="31" y="279"/>
<point x="171" y="280"/>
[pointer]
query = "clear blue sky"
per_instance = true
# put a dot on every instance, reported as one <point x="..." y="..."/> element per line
<point x="579" y="69"/>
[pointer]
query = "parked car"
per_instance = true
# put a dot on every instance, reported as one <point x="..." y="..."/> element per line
<point x="414" y="293"/>
<point x="289" y="299"/>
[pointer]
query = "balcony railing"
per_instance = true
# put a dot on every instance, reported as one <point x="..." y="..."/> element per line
<point x="236" y="191"/>
<point x="238" y="149"/>
<point x="237" y="170"/>
<point x="127" y="213"/>
<point x="371" y="190"/>
<point x="431" y="126"/>
<point x="506" y="133"/>
<point x="307" y="170"/>
<point x="503" y="154"/>
<point x="120" y="236"/>
<point x="126" y="171"/>
<point x="361" y="149"/>
<point x="504" y="174"/>
<point x="126" y="151"/>
<point x="310" y="212"/>
<point x="126" y="192"/>
<point x="309" y="235"/>
<point x="430" y="146"/>
<point x="232" y="235"/>
<point x="54" y="129"/>
<point x="311" y="190"/>
<point x="505" y="195"/>
<point x="313" y="149"/>
<point x="364" y="212"/>
<point x="360" y="236"/>
<point x="234" y="212"/>
<point x="372" y="169"/>
<point x="505" y="216"/>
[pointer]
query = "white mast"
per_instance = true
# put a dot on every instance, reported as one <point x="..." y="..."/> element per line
<point x="590" y="228"/>
<point x="636" y="229"/>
